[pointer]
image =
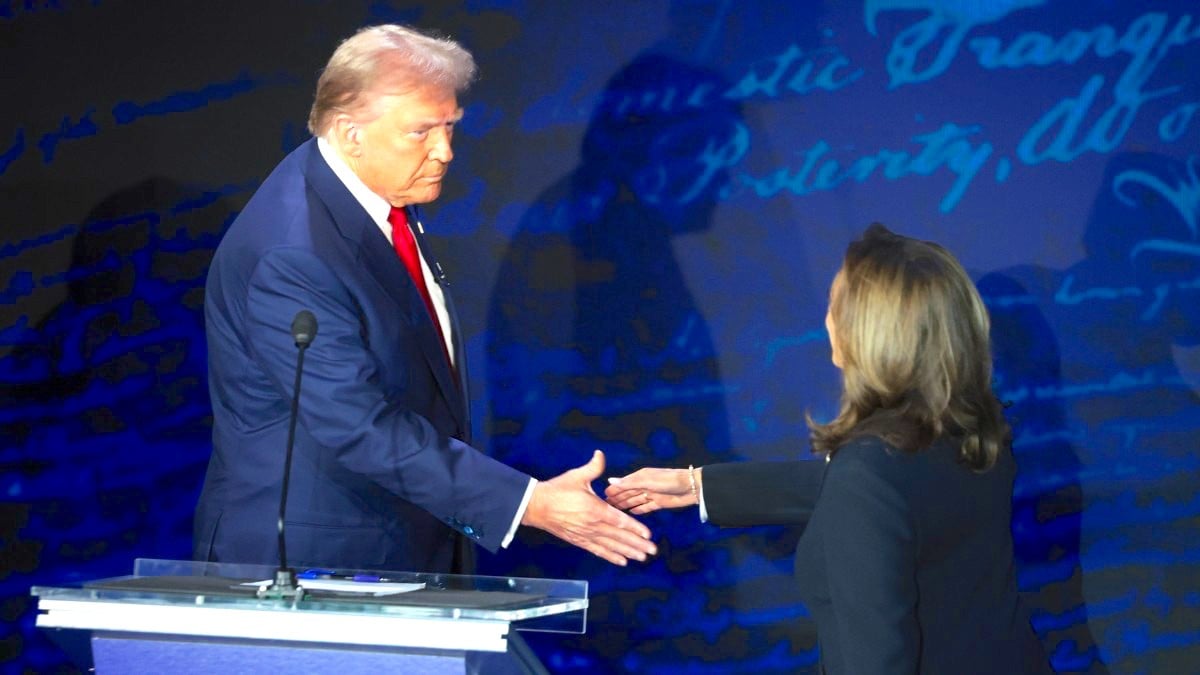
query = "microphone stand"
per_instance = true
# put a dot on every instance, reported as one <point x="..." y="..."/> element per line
<point x="304" y="328"/>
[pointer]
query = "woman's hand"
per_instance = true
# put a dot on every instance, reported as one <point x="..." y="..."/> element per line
<point x="647" y="490"/>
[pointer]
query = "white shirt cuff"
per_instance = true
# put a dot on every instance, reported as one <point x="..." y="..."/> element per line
<point x="703" y="510"/>
<point x="512" y="530"/>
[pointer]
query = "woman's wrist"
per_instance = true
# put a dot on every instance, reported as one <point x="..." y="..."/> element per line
<point x="694" y="483"/>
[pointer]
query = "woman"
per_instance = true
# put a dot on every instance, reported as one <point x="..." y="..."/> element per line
<point x="906" y="559"/>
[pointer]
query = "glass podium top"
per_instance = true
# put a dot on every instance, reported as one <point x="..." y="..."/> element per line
<point x="530" y="604"/>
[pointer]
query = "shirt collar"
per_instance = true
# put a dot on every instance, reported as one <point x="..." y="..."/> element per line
<point x="377" y="207"/>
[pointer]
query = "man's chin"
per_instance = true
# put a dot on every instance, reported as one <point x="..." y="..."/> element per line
<point x="423" y="196"/>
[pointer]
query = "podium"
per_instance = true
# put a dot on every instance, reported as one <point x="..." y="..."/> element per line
<point x="194" y="617"/>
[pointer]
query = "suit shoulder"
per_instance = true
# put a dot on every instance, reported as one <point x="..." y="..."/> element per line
<point x="862" y="458"/>
<point x="871" y="459"/>
<point x="867" y="476"/>
<point x="869" y="450"/>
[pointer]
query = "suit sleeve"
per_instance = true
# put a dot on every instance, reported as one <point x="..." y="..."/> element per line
<point x="743" y="494"/>
<point x="345" y="409"/>
<point x="870" y="550"/>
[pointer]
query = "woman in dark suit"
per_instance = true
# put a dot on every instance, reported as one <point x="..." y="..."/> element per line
<point x="906" y="559"/>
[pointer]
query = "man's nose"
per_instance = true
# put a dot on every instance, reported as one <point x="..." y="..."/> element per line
<point x="440" y="149"/>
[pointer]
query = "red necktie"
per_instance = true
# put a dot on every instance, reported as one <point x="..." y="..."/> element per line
<point x="406" y="248"/>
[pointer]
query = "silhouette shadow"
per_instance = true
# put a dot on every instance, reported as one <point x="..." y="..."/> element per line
<point x="1047" y="495"/>
<point x="1127" y="310"/>
<point x="595" y="341"/>
<point x="1105" y="420"/>
<point x="105" y="402"/>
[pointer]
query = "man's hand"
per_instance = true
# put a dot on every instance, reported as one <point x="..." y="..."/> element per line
<point x="566" y="507"/>
<point x="650" y="489"/>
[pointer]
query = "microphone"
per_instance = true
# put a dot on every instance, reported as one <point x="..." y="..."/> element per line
<point x="304" y="329"/>
<point x="439" y="275"/>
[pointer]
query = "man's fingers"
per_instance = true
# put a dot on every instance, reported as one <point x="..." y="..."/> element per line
<point x="604" y="553"/>
<point x="611" y="542"/>
<point x="578" y="516"/>
<point x="629" y="541"/>
<point x="609" y="548"/>
<point x="627" y="523"/>
<point x="614" y="544"/>
<point x="623" y="548"/>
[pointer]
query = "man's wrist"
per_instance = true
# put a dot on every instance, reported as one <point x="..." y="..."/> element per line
<point x="522" y="511"/>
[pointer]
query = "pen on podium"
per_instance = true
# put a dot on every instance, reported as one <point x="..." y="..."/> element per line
<point x="331" y="574"/>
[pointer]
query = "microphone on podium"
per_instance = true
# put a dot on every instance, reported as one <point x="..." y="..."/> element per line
<point x="304" y="329"/>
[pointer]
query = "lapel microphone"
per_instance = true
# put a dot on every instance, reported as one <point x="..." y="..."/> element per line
<point x="438" y="274"/>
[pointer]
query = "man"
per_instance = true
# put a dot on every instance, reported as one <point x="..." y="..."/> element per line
<point x="382" y="475"/>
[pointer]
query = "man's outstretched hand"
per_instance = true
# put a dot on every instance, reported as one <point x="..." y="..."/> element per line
<point x="566" y="507"/>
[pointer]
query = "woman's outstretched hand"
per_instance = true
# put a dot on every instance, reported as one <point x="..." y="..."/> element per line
<point x="650" y="489"/>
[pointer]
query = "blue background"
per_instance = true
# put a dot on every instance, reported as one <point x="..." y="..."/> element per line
<point x="646" y="208"/>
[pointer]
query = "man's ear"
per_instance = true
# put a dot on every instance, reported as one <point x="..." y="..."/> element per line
<point x="348" y="135"/>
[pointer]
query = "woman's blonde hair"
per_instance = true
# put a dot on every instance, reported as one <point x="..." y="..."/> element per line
<point x="912" y="333"/>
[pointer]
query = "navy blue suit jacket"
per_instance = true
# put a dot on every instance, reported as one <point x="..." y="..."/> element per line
<point x="382" y="475"/>
<point x="906" y="560"/>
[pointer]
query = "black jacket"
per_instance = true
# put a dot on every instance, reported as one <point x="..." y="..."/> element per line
<point x="906" y="561"/>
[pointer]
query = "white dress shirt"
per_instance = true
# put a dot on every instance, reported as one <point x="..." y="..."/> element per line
<point x="378" y="208"/>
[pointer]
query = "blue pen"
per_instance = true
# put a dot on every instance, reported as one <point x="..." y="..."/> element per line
<point x="315" y="574"/>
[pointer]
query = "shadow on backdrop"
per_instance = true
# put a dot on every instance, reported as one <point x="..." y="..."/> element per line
<point x="1129" y="310"/>
<point x="596" y="342"/>
<point x="1047" y="496"/>
<point x="105" y="410"/>
<point x="1095" y="359"/>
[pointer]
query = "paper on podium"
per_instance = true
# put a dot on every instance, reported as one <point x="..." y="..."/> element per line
<point x="375" y="588"/>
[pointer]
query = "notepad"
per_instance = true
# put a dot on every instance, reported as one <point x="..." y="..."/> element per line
<point x="375" y="588"/>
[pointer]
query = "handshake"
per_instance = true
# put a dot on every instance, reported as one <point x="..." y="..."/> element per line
<point x="566" y="507"/>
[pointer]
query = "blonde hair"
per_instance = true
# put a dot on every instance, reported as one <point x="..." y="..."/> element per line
<point x="916" y="358"/>
<point x="377" y="58"/>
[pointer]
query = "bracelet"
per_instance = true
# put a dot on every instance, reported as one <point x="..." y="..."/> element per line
<point x="692" y="482"/>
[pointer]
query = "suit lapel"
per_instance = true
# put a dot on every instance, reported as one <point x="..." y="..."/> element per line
<point x="459" y="350"/>
<point x="381" y="262"/>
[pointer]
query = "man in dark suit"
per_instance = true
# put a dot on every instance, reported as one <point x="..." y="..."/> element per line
<point x="383" y="474"/>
